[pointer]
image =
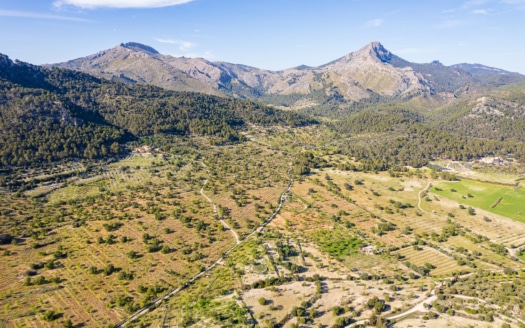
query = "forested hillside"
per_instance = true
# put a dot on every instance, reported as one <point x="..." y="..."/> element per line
<point x="53" y="114"/>
<point x="497" y="116"/>
<point x="387" y="138"/>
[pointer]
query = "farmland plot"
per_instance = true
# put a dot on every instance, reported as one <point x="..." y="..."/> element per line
<point x="444" y="266"/>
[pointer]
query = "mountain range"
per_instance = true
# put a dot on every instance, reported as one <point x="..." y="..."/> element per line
<point x="89" y="107"/>
<point x="370" y="74"/>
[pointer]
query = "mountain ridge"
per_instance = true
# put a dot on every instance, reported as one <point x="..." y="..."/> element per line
<point x="371" y="72"/>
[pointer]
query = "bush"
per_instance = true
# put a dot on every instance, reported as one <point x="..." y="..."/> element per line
<point x="109" y="269"/>
<point x="336" y="310"/>
<point x="376" y="304"/>
<point x="125" y="276"/>
<point x="40" y="280"/>
<point x="5" y="239"/>
<point x="50" y="315"/>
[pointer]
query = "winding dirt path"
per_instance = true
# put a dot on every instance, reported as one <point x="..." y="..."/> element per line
<point x="225" y="225"/>
<point x="174" y="291"/>
<point x="419" y="197"/>
<point x="419" y="307"/>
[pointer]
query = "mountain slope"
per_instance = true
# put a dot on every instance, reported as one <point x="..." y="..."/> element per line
<point x="38" y="124"/>
<point x="135" y="63"/>
<point x="370" y="74"/>
<point x="53" y="114"/>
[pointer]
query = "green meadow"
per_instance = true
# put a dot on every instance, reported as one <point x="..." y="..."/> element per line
<point x="499" y="199"/>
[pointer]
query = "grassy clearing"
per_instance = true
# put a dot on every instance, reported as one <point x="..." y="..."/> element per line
<point x="499" y="199"/>
<point x="507" y="174"/>
<point x="337" y="243"/>
<point x="130" y="172"/>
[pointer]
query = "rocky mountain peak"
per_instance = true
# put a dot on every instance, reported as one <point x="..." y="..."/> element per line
<point x="369" y="71"/>
<point x="373" y="51"/>
<point x="380" y="52"/>
<point x="139" y="47"/>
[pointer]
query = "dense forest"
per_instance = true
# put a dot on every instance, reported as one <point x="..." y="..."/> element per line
<point x="492" y="117"/>
<point x="386" y="139"/>
<point x="53" y="114"/>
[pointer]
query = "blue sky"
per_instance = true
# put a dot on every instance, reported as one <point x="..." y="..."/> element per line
<point x="270" y="34"/>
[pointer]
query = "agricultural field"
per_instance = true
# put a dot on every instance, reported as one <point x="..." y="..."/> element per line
<point x="109" y="239"/>
<point x="235" y="235"/>
<point x="325" y="224"/>
<point x="437" y="263"/>
<point x="495" y="198"/>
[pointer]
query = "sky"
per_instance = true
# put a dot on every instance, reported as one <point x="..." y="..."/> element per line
<point x="269" y="34"/>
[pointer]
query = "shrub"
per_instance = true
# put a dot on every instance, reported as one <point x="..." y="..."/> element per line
<point x="109" y="269"/>
<point x="125" y="275"/>
<point x="49" y="315"/>
<point x="5" y="239"/>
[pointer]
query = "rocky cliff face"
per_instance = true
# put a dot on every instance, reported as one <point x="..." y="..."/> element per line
<point x="369" y="71"/>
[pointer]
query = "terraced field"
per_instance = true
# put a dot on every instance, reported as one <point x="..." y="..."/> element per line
<point x="444" y="265"/>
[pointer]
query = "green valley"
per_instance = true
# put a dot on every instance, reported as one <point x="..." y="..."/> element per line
<point x="129" y="205"/>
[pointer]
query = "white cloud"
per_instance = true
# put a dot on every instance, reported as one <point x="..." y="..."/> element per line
<point x="474" y="3"/>
<point x="168" y="41"/>
<point x="374" y="23"/>
<point x="90" y="4"/>
<point x="451" y="23"/>
<point x="25" y="14"/>
<point x="186" y="45"/>
<point x="183" y="45"/>
<point x="519" y="4"/>
<point x="481" y="11"/>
